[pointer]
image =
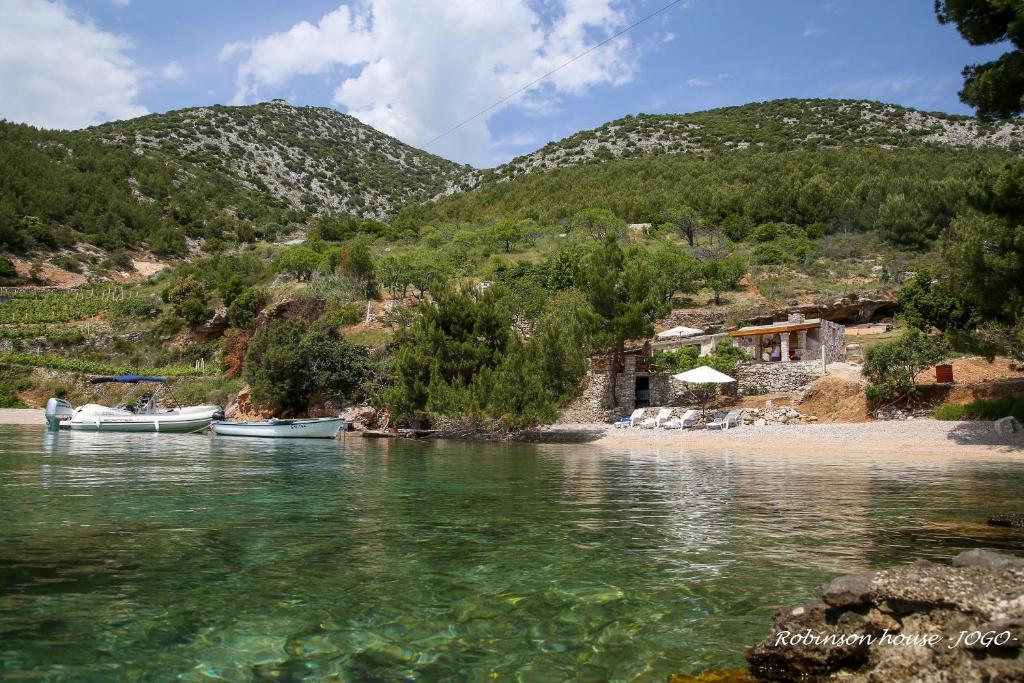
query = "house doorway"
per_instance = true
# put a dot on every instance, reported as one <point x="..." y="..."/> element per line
<point x="642" y="396"/>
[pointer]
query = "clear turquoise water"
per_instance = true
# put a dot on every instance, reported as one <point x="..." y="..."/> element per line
<point x="144" y="557"/>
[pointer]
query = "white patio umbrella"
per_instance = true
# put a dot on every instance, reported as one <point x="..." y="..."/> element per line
<point x="680" y="331"/>
<point x="703" y="375"/>
<point x="705" y="378"/>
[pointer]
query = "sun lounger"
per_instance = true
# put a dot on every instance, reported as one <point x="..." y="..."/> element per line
<point x="732" y="419"/>
<point x="663" y="416"/>
<point x="636" y="416"/>
<point x="622" y="422"/>
<point x="674" y="423"/>
<point x="691" y="418"/>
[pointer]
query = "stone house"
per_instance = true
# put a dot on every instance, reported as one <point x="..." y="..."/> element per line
<point x="800" y="347"/>
<point x="788" y="355"/>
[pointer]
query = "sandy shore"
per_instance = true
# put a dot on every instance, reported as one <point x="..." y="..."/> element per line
<point x="910" y="437"/>
<point x="22" y="416"/>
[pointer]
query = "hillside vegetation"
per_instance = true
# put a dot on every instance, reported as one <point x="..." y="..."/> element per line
<point x="213" y="174"/>
<point x="778" y="125"/>
<point x="906" y="195"/>
<point x="313" y="158"/>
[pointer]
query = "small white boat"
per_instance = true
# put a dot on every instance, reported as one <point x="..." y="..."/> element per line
<point x="96" y="418"/>
<point x="318" y="428"/>
<point x="143" y="416"/>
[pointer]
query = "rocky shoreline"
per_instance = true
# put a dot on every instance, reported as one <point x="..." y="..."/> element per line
<point x="919" y="622"/>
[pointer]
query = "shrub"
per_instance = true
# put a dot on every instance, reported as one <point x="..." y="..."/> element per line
<point x="168" y="326"/>
<point x="134" y="308"/>
<point x="737" y="227"/>
<point x="721" y="275"/>
<point x="68" y="263"/>
<point x="783" y="250"/>
<point x="245" y="307"/>
<point x="299" y="261"/>
<point x="891" y="366"/>
<point x="168" y="242"/>
<point x="123" y="260"/>
<point x="951" y="411"/>
<point x="189" y="298"/>
<point x="349" y="314"/>
<point x="193" y="311"/>
<point x="274" y="367"/>
<point x="285" y="366"/>
<point x="982" y="409"/>
<point x="7" y="269"/>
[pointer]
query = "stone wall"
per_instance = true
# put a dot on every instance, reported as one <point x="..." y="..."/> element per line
<point x="833" y="341"/>
<point x="625" y="385"/>
<point x="594" y="404"/>
<point x="666" y="391"/>
<point x="778" y="378"/>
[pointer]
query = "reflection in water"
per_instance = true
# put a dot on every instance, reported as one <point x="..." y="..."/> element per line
<point x="196" y="557"/>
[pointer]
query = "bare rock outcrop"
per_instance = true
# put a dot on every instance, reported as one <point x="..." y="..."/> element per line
<point x="213" y="327"/>
<point x="847" y="310"/>
<point x="922" y="622"/>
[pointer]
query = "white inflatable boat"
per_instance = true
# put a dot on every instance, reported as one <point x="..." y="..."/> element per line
<point x="145" y="415"/>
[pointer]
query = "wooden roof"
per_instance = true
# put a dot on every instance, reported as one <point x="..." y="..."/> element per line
<point x="776" y="328"/>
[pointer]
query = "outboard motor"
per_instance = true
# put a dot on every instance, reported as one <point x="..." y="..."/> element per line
<point x="219" y="415"/>
<point x="57" y="411"/>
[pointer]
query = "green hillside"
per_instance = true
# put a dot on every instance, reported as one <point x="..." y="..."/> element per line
<point x="905" y="195"/>
<point x="778" y="125"/>
<point x="211" y="173"/>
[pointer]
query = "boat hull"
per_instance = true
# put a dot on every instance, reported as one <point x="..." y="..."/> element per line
<point x="93" y="418"/>
<point x="324" y="428"/>
<point x="162" y="426"/>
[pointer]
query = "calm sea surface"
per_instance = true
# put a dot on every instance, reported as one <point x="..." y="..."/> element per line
<point x="164" y="557"/>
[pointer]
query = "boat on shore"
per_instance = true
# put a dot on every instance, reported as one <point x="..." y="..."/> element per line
<point x="144" y="415"/>
<point x="314" y="428"/>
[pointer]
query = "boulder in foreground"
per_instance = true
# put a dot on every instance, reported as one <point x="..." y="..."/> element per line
<point x="921" y="622"/>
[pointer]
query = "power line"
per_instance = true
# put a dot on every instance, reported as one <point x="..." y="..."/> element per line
<point x="558" y="68"/>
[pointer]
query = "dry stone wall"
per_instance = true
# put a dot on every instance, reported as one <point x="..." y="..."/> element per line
<point x="777" y="378"/>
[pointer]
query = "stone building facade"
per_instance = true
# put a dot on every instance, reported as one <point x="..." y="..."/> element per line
<point x="777" y="378"/>
<point x="803" y="347"/>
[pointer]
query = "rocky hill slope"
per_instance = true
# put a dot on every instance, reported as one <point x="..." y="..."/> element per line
<point x="313" y="158"/>
<point x="774" y="126"/>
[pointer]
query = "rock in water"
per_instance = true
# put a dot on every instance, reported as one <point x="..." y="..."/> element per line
<point x="1013" y="520"/>
<point x="922" y="622"/>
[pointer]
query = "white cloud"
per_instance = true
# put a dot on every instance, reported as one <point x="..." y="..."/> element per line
<point x="120" y="3"/>
<point x="705" y="81"/>
<point x="811" y="30"/>
<point x="59" y="70"/>
<point x="172" y="71"/>
<point x="416" y="69"/>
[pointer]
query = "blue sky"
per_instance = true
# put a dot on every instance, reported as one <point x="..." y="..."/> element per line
<point x="413" y="68"/>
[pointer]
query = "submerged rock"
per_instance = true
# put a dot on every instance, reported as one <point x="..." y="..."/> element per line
<point x="716" y="676"/>
<point x="923" y="621"/>
<point x="1012" y="520"/>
